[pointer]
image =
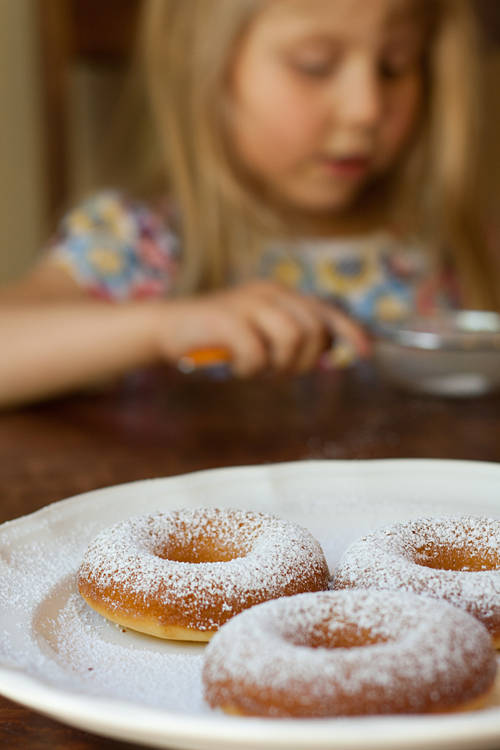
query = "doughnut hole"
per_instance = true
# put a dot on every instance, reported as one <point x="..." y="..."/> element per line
<point x="465" y="558"/>
<point x="198" y="552"/>
<point x="201" y="545"/>
<point x="336" y="634"/>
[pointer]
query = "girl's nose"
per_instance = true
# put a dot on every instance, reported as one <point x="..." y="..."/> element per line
<point x="357" y="99"/>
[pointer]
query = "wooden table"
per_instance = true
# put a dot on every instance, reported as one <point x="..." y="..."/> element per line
<point x="161" y="423"/>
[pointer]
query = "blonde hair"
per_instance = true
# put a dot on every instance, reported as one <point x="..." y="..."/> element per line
<point x="188" y="46"/>
<point x="441" y="180"/>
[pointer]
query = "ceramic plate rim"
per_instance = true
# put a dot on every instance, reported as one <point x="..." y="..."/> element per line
<point x="159" y="728"/>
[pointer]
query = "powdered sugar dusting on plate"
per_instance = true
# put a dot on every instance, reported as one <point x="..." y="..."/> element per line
<point x="73" y="648"/>
<point x="127" y="670"/>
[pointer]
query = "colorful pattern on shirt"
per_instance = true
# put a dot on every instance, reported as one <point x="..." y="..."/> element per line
<point x="117" y="249"/>
<point x="373" y="278"/>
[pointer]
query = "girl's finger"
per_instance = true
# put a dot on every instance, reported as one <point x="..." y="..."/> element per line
<point x="345" y="327"/>
<point x="336" y="322"/>
<point x="281" y="332"/>
<point x="249" y="353"/>
<point x="315" y="334"/>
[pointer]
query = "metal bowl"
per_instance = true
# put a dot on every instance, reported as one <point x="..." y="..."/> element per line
<point x="450" y="354"/>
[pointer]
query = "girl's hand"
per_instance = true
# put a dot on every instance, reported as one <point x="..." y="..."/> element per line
<point x="265" y="326"/>
<point x="52" y="346"/>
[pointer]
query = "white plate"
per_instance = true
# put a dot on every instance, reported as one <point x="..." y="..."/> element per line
<point x="60" y="658"/>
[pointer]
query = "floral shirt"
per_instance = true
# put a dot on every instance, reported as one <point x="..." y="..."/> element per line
<point x="119" y="250"/>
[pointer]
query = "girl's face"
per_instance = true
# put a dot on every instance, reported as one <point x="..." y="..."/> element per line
<point x="326" y="96"/>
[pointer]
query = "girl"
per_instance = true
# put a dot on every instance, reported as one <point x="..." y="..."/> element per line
<point x="327" y="145"/>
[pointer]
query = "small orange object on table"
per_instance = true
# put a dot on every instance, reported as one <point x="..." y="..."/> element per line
<point x="204" y="358"/>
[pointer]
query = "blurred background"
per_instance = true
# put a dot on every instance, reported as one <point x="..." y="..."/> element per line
<point x="63" y="65"/>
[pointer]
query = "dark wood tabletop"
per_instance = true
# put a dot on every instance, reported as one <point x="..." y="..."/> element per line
<point x="161" y="423"/>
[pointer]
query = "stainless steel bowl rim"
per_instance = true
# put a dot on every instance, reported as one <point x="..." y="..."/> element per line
<point x="462" y="330"/>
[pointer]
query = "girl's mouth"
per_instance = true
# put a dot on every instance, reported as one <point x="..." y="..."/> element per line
<point x="347" y="167"/>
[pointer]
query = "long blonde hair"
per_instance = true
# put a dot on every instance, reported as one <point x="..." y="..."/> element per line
<point x="187" y="48"/>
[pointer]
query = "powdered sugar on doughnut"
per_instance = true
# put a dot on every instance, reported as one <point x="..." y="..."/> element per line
<point x="401" y="556"/>
<point x="140" y="565"/>
<point x="423" y="656"/>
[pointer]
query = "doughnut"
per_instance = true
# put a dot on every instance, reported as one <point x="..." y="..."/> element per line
<point x="349" y="653"/>
<point x="182" y="574"/>
<point x="451" y="558"/>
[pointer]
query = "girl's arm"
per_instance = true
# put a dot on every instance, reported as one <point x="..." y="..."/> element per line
<point x="54" y="339"/>
<point x="55" y="348"/>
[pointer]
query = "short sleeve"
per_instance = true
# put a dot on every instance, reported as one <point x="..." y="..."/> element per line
<point x="116" y="249"/>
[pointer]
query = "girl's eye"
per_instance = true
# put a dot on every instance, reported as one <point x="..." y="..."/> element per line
<point x="313" y="68"/>
<point x="313" y="71"/>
